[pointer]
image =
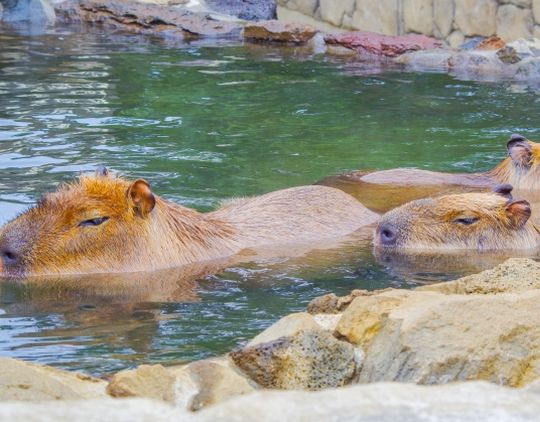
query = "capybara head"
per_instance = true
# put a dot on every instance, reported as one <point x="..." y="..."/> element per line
<point x="481" y="221"/>
<point x="522" y="167"/>
<point x="98" y="223"/>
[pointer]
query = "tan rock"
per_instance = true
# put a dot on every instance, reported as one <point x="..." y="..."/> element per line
<point x="455" y="39"/>
<point x="286" y="327"/>
<point x="491" y="43"/>
<point x="333" y="11"/>
<point x="150" y="381"/>
<point x="536" y="31"/>
<point x="513" y="275"/>
<point x="378" y="16"/>
<point x="332" y="304"/>
<point x="514" y="22"/>
<point x="208" y="382"/>
<point x="443" y="17"/>
<point x="310" y="359"/>
<point x="307" y="7"/>
<point x="418" y="16"/>
<point x="277" y="31"/>
<point x="25" y="381"/>
<point x="536" y="10"/>
<point x="476" y="17"/>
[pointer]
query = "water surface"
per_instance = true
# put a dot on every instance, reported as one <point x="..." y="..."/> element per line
<point x="203" y="123"/>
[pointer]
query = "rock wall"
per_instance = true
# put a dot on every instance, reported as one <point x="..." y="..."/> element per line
<point x="452" y="20"/>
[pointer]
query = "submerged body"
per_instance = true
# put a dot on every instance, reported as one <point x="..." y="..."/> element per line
<point x="107" y="224"/>
<point x="476" y="221"/>
<point x="386" y="189"/>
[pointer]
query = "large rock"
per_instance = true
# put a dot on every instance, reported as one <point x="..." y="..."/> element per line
<point x="296" y="353"/>
<point x="514" y="22"/>
<point x="418" y="16"/>
<point x="145" y="18"/>
<point x="371" y="44"/>
<point x="306" y="7"/>
<point x="36" y="12"/>
<point x="443" y="17"/>
<point x="333" y="11"/>
<point x="189" y="387"/>
<point x="426" y="61"/>
<point x="433" y="335"/>
<point x="277" y="31"/>
<point x="252" y="10"/>
<point x="536" y="10"/>
<point x="463" y="402"/>
<point x="476" y="17"/>
<point x="376" y="16"/>
<point x="24" y="381"/>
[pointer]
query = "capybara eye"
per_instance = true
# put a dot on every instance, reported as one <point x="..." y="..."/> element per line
<point x="93" y="222"/>
<point x="466" y="221"/>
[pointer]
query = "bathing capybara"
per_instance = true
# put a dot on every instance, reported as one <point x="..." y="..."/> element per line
<point x="481" y="221"/>
<point x="386" y="189"/>
<point x="103" y="223"/>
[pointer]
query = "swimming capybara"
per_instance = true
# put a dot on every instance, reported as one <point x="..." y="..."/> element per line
<point x="386" y="189"/>
<point x="103" y="223"/>
<point x="480" y="221"/>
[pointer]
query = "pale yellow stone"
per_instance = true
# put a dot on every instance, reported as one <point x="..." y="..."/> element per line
<point x="514" y="22"/>
<point x="377" y="16"/>
<point x="476" y="17"/>
<point x="418" y="16"/>
<point x="333" y="10"/>
<point x="443" y="17"/>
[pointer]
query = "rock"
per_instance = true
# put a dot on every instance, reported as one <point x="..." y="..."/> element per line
<point x="189" y="387"/>
<point x="536" y="10"/>
<point x="287" y="326"/>
<point x="377" y="16"/>
<point x="307" y="7"/>
<point x="513" y="275"/>
<point x="514" y="22"/>
<point x="384" y="402"/>
<point x="150" y="381"/>
<point x="520" y="3"/>
<point x="443" y="17"/>
<point x="208" y="382"/>
<point x="528" y="69"/>
<point x="96" y="410"/>
<point x="418" y="16"/>
<point x="426" y="61"/>
<point x="508" y="55"/>
<point x="471" y="43"/>
<point x="536" y="31"/>
<point x="311" y="359"/>
<point x="333" y="11"/>
<point x="428" y="337"/>
<point x="332" y="304"/>
<point x="276" y="31"/>
<point x="476" y="17"/>
<point x="371" y="44"/>
<point x="455" y="39"/>
<point x="476" y="64"/>
<point x="251" y="10"/>
<point x="37" y="12"/>
<point x="491" y="43"/>
<point x="145" y="18"/>
<point x="25" y="381"/>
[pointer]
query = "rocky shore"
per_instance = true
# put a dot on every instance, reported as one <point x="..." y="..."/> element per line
<point x="480" y="333"/>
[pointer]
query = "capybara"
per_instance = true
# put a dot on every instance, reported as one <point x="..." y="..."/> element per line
<point x="386" y="189"/>
<point x="480" y="221"/>
<point x="102" y="223"/>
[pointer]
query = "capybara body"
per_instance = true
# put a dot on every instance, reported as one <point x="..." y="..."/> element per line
<point x="386" y="189"/>
<point x="107" y="224"/>
<point x="479" y="221"/>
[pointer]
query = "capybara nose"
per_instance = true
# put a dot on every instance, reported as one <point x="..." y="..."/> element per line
<point x="9" y="257"/>
<point x="387" y="234"/>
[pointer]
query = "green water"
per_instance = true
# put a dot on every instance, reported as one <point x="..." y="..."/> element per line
<point x="206" y="122"/>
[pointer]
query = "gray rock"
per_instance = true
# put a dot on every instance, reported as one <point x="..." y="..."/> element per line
<point x="251" y="10"/>
<point x="33" y="11"/>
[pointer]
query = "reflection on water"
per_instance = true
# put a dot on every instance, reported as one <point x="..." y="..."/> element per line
<point x="204" y="123"/>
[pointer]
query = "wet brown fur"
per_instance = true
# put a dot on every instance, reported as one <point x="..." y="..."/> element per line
<point x="50" y="240"/>
<point x="436" y="223"/>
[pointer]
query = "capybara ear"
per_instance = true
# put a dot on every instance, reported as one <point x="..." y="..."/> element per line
<point x="504" y="189"/>
<point x="141" y="196"/>
<point x="519" y="150"/>
<point x="518" y="212"/>
<point x="102" y="171"/>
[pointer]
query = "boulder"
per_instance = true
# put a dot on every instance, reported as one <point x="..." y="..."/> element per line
<point x="251" y="10"/>
<point x="277" y="31"/>
<point x="384" y="402"/>
<point x="443" y="17"/>
<point x="536" y="10"/>
<point x="426" y="61"/>
<point x="514" y="22"/>
<point x="145" y="18"/>
<point x="23" y="381"/>
<point x="189" y="387"/>
<point x="418" y="16"/>
<point x="377" y="16"/>
<point x="476" y="17"/>
<point x="37" y="12"/>
<point x="491" y="43"/>
<point x="296" y="353"/>
<point x="429" y="337"/>
<point x="372" y="44"/>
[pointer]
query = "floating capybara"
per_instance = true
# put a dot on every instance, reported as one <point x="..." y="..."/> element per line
<point x="103" y="223"/>
<point x="480" y="221"/>
<point x="386" y="189"/>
